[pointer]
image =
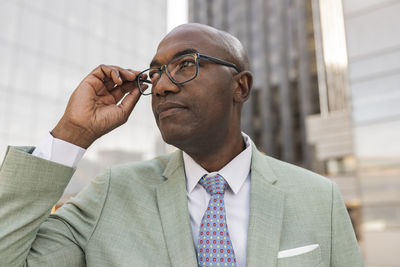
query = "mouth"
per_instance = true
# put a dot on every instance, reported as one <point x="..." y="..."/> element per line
<point x="168" y="109"/>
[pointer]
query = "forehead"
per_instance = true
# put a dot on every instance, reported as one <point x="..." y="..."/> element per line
<point x="201" y="40"/>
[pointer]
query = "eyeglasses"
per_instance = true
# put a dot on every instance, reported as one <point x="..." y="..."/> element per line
<point x="179" y="70"/>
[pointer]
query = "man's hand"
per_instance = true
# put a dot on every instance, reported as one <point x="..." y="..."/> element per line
<point x="92" y="110"/>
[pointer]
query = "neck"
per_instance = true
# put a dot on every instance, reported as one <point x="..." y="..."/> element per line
<point x="219" y="154"/>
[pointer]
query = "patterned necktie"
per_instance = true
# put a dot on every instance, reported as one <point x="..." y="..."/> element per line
<point x="214" y="246"/>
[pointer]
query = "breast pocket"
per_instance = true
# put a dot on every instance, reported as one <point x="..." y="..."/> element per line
<point x="308" y="259"/>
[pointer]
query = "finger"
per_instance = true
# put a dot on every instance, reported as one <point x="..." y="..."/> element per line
<point x="129" y="102"/>
<point x="109" y="84"/>
<point x="106" y="74"/>
<point x="129" y="86"/>
<point x="119" y="91"/>
<point x="116" y="76"/>
<point x="127" y="74"/>
<point x="102" y="88"/>
<point x="144" y="87"/>
<point x="136" y="72"/>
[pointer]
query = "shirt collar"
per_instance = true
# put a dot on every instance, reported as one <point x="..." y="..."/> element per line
<point x="235" y="172"/>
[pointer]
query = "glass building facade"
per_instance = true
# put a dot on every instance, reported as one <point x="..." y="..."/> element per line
<point x="48" y="47"/>
<point x="325" y="97"/>
<point x="373" y="46"/>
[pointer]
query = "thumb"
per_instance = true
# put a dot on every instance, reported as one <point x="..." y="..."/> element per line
<point x="129" y="102"/>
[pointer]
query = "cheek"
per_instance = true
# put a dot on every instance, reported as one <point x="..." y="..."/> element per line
<point x="153" y="105"/>
<point x="218" y="97"/>
<point x="213" y="111"/>
<point x="199" y="109"/>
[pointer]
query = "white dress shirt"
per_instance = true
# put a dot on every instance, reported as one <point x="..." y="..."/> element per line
<point x="236" y="198"/>
<point x="237" y="195"/>
<point x="59" y="151"/>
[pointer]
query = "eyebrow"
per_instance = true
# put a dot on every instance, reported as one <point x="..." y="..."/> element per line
<point x="154" y="62"/>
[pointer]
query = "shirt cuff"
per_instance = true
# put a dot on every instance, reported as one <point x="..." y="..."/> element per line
<point x="59" y="151"/>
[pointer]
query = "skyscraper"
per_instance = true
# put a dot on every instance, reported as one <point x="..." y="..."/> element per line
<point x="278" y="36"/>
<point x="325" y="97"/>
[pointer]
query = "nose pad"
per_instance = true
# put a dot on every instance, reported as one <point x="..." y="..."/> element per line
<point x="164" y="85"/>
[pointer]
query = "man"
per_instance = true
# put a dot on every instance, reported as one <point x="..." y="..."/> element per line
<point x="217" y="201"/>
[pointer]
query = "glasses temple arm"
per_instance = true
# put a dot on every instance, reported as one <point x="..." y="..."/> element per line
<point x="219" y="61"/>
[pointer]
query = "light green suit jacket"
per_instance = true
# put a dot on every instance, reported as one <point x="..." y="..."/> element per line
<point x="137" y="215"/>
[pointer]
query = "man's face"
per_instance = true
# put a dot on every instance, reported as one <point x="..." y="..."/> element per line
<point x="190" y="114"/>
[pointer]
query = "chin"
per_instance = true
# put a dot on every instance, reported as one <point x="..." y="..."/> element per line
<point x="181" y="134"/>
<point x="174" y="137"/>
<point x="178" y="137"/>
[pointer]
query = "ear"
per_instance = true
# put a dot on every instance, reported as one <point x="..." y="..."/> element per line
<point x="243" y="86"/>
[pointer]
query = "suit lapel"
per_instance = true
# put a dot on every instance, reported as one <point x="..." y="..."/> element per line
<point x="266" y="214"/>
<point x="172" y="204"/>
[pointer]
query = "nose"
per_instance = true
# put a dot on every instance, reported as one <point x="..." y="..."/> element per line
<point x="164" y="85"/>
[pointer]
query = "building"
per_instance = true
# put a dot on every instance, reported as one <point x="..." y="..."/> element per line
<point x="46" y="49"/>
<point x="276" y="35"/>
<point x="327" y="77"/>
<point x="373" y="47"/>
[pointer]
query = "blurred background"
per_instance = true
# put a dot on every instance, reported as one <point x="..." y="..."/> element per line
<point x="326" y="93"/>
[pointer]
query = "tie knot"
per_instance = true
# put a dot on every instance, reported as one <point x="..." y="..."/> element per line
<point x="214" y="184"/>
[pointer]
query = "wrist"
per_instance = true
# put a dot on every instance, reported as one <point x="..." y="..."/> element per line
<point x="73" y="134"/>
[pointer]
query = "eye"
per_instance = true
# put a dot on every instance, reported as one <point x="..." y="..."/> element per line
<point x="154" y="75"/>
<point x="187" y="63"/>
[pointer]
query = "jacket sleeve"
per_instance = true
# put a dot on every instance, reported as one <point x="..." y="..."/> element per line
<point x="344" y="247"/>
<point x="29" y="235"/>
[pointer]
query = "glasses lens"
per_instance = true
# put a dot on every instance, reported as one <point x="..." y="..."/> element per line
<point x="146" y="79"/>
<point x="183" y="68"/>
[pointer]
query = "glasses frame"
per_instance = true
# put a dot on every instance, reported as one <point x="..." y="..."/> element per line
<point x="164" y="67"/>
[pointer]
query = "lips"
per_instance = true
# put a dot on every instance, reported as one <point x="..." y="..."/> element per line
<point x="168" y="108"/>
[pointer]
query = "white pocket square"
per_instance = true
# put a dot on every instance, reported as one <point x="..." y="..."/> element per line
<point x="296" y="251"/>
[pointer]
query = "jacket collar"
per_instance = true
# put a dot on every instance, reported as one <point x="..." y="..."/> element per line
<point x="265" y="222"/>
<point x="266" y="213"/>
<point x="174" y="214"/>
